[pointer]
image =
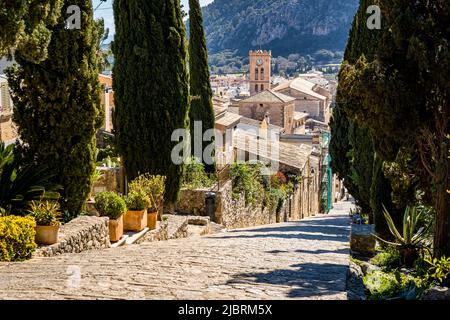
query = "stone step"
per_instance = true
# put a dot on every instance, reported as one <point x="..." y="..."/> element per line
<point x="121" y="242"/>
<point x="135" y="236"/>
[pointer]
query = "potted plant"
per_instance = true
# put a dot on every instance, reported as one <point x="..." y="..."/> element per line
<point x="46" y="214"/>
<point x="136" y="217"/>
<point x="109" y="204"/>
<point x="153" y="187"/>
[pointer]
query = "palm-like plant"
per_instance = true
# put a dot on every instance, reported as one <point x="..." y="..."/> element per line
<point x="412" y="239"/>
<point x="6" y="154"/>
<point x="20" y="186"/>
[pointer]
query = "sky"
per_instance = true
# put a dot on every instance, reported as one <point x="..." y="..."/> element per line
<point x="105" y="11"/>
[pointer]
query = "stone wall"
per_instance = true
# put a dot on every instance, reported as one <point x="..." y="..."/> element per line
<point x="112" y="179"/>
<point x="228" y="212"/>
<point x="236" y="214"/>
<point x="80" y="234"/>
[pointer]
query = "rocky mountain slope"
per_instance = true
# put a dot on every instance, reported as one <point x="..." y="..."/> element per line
<point x="285" y="26"/>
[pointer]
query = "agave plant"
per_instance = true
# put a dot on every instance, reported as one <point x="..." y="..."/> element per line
<point x="412" y="240"/>
<point x="6" y="154"/>
<point x="20" y="186"/>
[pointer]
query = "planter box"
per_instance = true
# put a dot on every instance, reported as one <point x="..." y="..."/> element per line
<point x="115" y="229"/>
<point x="47" y="234"/>
<point x="135" y="220"/>
<point x="152" y="219"/>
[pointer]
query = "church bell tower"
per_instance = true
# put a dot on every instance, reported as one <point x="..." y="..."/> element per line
<point x="260" y="70"/>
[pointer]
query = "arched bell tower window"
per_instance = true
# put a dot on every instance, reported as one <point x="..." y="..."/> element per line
<point x="256" y="74"/>
<point x="256" y="88"/>
<point x="262" y="73"/>
<point x="262" y="87"/>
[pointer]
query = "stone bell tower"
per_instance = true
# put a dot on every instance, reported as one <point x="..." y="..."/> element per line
<point x="260" y="70"/>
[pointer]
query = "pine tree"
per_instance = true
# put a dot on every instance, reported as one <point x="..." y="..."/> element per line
<point x="57" y="107"/>
<point x="26" y="26"/>
<point x="151" y="86"/>
<point x="201" y="104"/>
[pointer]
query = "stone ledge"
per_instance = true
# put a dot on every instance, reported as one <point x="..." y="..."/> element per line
<point x="362" y="239"/>
<point x="81" y="234"/>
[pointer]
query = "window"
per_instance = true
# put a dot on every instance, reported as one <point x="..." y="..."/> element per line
<point x="256" y="87"/>
<point x="262" y="87"/>
<point x="256" y="74"/>
<point x="262" y="73"/>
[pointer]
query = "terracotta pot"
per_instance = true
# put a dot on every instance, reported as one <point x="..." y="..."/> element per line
<point x="115" y="229"/>
<point x="152" y="219"/>
<point x="47" y="234"/>
<point x="135" y="220"/>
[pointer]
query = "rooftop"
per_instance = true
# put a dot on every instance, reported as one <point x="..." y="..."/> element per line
<point x="285" y="153"/>
<point x="301" y="85"/>
<point x="269" y="96"/>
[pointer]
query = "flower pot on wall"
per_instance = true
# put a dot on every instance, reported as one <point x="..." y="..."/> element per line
<point x="152" y="220"/>
<point x="115" y="229"/>
<point x="135" y="220"/>
<point x="47" y="234"/>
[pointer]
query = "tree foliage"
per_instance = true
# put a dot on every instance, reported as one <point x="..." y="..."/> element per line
<point x="151" y="86"/>
<point x="405" y="96"/>
<point x="26" y="26"/>
<point x="201" y="104"/>
<point x="57" y="107"/>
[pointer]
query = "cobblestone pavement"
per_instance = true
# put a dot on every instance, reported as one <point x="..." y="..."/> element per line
<point x="308" y="259"/>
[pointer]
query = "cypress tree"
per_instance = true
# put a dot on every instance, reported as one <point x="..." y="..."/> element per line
<point x="368" y="184"/>
<point x="362" y="165"/>
<point x="26" y="26"/>
<point x="151" y="85"/>
<point x="201" y="104"/>
<point x="57" y="107"/>
<point x="404" y="97"/>
<point x="380" y="195"/>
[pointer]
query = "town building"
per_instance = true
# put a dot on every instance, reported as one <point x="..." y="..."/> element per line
<point x="107" y="101"/>
<point x="8" y="130"/>
<point x="309" y="98"/>
<point x="260" y="71"/>
<point x="277" y="106"/>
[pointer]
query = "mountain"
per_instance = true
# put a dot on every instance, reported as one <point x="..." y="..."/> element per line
<point x="285" y="26"/>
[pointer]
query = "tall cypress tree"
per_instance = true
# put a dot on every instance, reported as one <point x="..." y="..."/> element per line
<point x="26" y="26"/>
<point x="404" y="96"/>
<point x="151" y="85"/>
<point x="355" y="139"/>
<point x="201" y="105"/>
<point x="57" y="106"/>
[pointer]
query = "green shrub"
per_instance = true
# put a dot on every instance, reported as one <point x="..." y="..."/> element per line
<point x="195" y="177"/>
<point x="109" y="204"/>
<point x="153" y="186"/>
<point x="247" y="180"/>
<point x="137" y="200"/>
<point x="45" y="213"/>
<point x="440" y="270"/>
<point x="383" y="285"/>
<point x="387" y="260"/>
<point x="16" y="238"/>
